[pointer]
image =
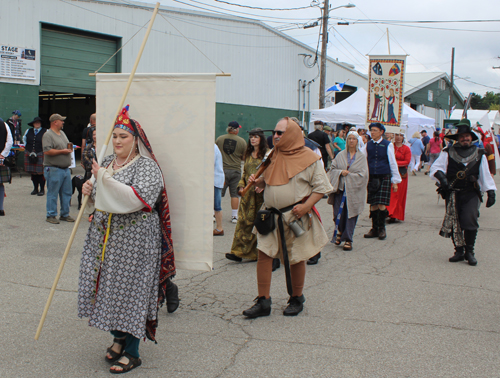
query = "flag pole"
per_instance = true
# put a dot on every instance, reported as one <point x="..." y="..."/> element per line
<point x="101" y="156"/>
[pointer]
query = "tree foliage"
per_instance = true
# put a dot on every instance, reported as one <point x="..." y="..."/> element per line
<point x="489" y="101"/>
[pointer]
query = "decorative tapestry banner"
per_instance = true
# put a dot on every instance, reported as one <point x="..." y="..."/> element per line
<point x="386" y="89"/>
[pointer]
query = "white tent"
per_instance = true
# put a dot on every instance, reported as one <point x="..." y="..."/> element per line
<point x="353" y="110"/>
<point x="475" y="116"/>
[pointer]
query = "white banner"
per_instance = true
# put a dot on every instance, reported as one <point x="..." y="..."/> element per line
<point x="177" y="113"/>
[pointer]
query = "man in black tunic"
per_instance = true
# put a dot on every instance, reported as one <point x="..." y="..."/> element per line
<point x="463" y="174"/>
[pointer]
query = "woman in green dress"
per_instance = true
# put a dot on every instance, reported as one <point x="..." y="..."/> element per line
<point x="244" y="241"/>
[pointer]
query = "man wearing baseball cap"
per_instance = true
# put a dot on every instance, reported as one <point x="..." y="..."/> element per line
<point x="232" y="148"/>
<point x="57" y="158"/>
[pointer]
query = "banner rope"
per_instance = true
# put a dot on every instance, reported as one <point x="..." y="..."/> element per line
<point x="117" y="51"/>
<point x="178" y="31"/>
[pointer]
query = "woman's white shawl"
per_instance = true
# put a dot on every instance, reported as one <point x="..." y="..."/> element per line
<point x="354" y="183"/>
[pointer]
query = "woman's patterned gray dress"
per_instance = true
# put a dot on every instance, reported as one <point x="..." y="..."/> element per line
<point x="127" y="290"/>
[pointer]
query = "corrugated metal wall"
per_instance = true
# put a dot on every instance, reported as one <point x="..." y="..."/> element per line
<point x="265" y="66"/>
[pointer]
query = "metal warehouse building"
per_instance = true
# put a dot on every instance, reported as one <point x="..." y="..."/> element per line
<point x="48" y="48"/>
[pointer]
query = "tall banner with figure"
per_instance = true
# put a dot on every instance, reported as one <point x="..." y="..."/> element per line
<point x="177" y="113"/>
<point x="386" y="89"/>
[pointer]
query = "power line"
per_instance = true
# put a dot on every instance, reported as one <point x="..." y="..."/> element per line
<point x="272" y="9"/>
<point x="228" y="10"/>
<point x="473" y="82"/>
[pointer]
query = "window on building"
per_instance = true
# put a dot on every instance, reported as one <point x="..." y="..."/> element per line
<point x="430" y="95"/>
<point x="441" y="84"/>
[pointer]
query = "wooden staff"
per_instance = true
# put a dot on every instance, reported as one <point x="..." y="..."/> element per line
<point x="101" y="156"/>
<point x="262" y="167"/>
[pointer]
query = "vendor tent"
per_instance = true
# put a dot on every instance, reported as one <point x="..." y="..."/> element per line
<point x="475" y="116"/>
<point x="353" y="110"/>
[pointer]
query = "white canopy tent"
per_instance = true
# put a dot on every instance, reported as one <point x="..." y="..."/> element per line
<point x="475" y="116"/>
<point x="353" y="110"/>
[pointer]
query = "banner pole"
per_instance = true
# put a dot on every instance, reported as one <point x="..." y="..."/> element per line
<point x="100" y="158"/>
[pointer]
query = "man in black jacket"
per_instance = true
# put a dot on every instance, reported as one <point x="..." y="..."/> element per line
<point x="463" y="174"/>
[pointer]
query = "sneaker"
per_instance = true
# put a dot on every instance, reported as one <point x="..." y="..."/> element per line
<point x="234" y="220"/>
<point x="66" y="219"/>
<point x="218" y="233"/>
<point x="52" y="220"/>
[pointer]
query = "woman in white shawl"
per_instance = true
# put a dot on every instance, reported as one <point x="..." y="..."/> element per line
<point x="349" y="177"/>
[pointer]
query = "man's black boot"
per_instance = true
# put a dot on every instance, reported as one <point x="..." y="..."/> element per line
<point x="295" y="306"/>
<point x="172" y="294"/>
<point x="381" y="224"/>
<point x="262" y="307"/>
<point x="373" y="233"/>
<point x="314" y="260"/>
<point x="458" y="256"/>
<point x="470" y="239"/>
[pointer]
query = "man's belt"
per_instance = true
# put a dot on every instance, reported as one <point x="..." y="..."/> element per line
<point x="55" y="166"/>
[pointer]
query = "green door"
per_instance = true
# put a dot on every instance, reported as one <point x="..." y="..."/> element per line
<point x="69" y="55"/>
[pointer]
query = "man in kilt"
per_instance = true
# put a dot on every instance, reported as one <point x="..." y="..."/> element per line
<point x="5" y="145"/>
<point x="33" y="155"/>
<point x="383" y="170"/>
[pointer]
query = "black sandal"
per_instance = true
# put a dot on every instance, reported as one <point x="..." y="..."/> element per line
<point x="132" y="364"/>
<point x="114" y="355"/>
<point x="348" y="246"/>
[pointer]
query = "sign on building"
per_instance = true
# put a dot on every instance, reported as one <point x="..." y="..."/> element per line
<point x="17" y="62"/>
<point x="386" y="89"/>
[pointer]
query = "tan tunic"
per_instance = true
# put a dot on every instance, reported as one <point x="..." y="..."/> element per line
<point x="313" y="179"/>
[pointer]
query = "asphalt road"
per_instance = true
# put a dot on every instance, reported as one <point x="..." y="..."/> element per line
<point x="392" y="308"/>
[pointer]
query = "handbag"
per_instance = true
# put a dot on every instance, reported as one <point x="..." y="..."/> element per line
<point x="264" y="222"/>
<point x="403" y="171"/>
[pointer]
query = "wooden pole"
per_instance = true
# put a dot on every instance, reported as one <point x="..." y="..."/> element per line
<point x="101" y="156"/>
<point x="388" y="43"/>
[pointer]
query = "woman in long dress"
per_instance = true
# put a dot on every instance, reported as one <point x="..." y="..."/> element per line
<point x="244" y="241"/>
<point x="127" y="259"/>
<point x="349" y="177"/>
<point x="33" y="145"/>
<point x="396" y="209"/>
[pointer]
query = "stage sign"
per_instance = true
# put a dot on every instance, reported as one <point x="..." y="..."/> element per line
<point x="17" y="62"/>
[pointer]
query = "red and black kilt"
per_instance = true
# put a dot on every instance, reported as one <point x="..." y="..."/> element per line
<point x="33" y="168"/>
<point x="5" y="176"/>
<point x="382" y="196"/>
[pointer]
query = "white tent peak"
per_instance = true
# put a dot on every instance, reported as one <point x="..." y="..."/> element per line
<point x="353" y="110"/>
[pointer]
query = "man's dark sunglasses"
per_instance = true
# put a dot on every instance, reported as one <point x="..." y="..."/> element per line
<point x="279" y="132"/>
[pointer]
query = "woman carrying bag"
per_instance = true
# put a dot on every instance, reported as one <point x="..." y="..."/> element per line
<point x="349" y="177"/>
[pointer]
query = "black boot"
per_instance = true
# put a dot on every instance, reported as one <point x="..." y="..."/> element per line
<point x="35" y="184"/>
<point x="314" y="260"/>
<point x="41" y="192"/>
<point x="295" y="306"/>
<point x="172" y="296"/>
<point x="373" y="233"/>
<point x="458" y="256"/>
<point x="262" y="307"/>
<point x="381" y="224"/>
<point x="276" y="264"/>
<point x="470" y="239"/>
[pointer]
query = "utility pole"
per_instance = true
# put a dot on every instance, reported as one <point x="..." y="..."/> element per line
<point x="324" y="41"/>
<point x="452" y="74"/>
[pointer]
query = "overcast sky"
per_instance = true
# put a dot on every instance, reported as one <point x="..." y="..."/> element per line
<point x="429" y="50"/>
